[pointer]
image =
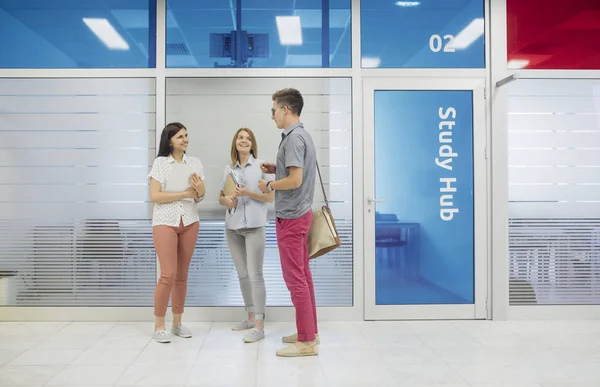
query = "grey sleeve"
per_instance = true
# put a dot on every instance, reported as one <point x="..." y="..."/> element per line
<point x="295" y="149"/>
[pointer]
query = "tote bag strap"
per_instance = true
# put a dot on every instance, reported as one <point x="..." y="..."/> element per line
<point x="322" y="186"/>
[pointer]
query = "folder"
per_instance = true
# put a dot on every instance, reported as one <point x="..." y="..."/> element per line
<point x="230" y="183"/>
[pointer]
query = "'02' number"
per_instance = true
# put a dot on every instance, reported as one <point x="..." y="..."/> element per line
<point x="436" y="44"/>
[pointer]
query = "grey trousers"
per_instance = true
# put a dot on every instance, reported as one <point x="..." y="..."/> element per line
<point x="247" y="248"/>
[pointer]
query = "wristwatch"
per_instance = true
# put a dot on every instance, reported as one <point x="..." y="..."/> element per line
<point x="269" y="186"/>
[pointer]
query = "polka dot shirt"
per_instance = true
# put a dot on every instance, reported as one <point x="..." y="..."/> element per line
<point x="186" y="210"/>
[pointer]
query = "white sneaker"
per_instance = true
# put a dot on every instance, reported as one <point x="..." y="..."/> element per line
<point x="254" y="335"/>
<point x="162" y="337"/>
<point x="243" y="325"/>
<point x="181" y="331"/>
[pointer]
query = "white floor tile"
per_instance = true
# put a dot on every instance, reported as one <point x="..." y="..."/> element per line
<point x="88" y="376"/>
<point x="353" y="375"/>
<point x="153" y="375"/>
<point x="290" y="376"/>
<point x="46" y="357"/>
<point x="67" y="341"/>
<point x="418" y="356"/>
<point x="414" y="374"/>
<point x="248" y="354"/>
<point x="9" y="342"/>
<point x="386" y="340"/>
<point x="131" y="329"/>
<point x="125" y="342"/>
<point x="167" y="355"/>
<point x="88" y="328"/>
<point x="224" y="375"/>
<point x="195" y="342"/>
<point x="448" y="339"/>
<point x="7" y="327"/>
<point x="504" y="385"/>
<point x="122" y="357"/>
<point x="27" y="375"/>
<point x="37" y="328"/>
<point x="377" y="354"/>
<point x="8" y="355"/>
<point x="508" y="375"/>
<point x="569" y="384"/>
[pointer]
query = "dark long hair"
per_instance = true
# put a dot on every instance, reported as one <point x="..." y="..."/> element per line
<point x="164" y="148"/>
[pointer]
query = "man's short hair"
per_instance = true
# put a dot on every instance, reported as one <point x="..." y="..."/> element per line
<point x="291" y="98"/>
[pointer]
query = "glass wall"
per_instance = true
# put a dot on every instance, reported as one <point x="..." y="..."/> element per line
<point x="258" y="33"/>
<point x="74" y="227"/>
<point x="90" y="141"/>
<point x="213" y="109"/>
<point x="554" y="191"/>
<point x="77" y="34"/>
<point x="422" y="34"/>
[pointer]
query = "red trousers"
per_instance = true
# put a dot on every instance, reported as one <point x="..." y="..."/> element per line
<point x="292" y="240"/>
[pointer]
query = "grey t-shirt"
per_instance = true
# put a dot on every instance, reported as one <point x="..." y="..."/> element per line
<point x="296" y="149"/>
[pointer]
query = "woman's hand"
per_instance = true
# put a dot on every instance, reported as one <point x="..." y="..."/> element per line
<point x="231" y="201"/>
<point x="198" y="185"/>
<point x="190" y="193"/>
<point x="241" y="190"/>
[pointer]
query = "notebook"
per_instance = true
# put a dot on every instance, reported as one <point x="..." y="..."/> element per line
<point x="179" y="178"/>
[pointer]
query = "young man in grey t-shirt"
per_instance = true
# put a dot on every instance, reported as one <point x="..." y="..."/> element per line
<point x="294" y="188"/>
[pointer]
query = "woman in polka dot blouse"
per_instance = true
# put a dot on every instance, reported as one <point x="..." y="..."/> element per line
<point x="175" y="224"/>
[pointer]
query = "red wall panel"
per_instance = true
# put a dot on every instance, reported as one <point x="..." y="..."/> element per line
<point x="553" y="34"/>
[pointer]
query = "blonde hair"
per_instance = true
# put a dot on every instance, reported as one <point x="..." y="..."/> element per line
<point x="253" y="149"/>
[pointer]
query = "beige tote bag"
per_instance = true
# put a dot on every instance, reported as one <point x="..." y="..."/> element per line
<point x="323" y="236"/>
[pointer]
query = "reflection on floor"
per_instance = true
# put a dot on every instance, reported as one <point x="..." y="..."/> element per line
<point x="360" y="354"/>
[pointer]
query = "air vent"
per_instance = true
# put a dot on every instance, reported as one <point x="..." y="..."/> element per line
<point x="177" y="49"/>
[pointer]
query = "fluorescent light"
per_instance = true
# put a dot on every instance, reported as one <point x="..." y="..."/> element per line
<point x="106" y="33"/>
<point x="290" y="30"/>
<point x="369" y="63"/>
<point x="408" y="3"/>
<point x="471" y="33"/>
<point x="516" y="64"/>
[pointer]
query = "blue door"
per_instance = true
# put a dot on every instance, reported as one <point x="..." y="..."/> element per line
<point x="423" y="202"/>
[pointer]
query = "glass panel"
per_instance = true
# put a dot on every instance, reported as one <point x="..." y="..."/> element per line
<point x="299" y="33"/>
<point x="422" y="34"/>
<point x="74" y="211"/>
<point x="213" y="109"/>
<point x="563" y="36"/>
<point x="78" y="34"/>
<point x="424" y="175"/>
<point x="554" y="191"/>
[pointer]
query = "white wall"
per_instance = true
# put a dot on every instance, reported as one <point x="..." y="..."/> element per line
<point x="213" y="109"/>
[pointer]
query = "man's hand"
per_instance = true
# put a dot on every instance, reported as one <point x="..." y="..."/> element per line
<point x="269" y="168"/>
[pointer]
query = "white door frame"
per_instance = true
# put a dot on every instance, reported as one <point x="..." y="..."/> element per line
<point x="478" y="310"/>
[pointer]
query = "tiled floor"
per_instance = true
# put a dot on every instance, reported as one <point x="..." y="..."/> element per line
<point x="374" y="354"/>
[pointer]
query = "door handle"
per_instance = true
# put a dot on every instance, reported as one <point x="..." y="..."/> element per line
<point x="373" y="200"/>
